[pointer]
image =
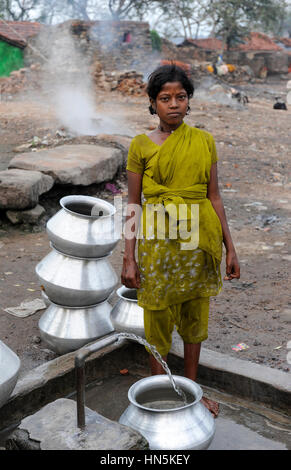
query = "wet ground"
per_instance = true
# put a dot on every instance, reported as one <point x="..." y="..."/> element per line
<point x="238" y="426"/>
<point x="242" y="424"/>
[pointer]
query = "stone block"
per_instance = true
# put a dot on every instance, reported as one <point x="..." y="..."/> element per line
<point x="20" y="189"/>
<point x="29" y="216"/>
<point x="54" y="427"/>
<point x="120" y="141"/>
<point x="73" y="164"/>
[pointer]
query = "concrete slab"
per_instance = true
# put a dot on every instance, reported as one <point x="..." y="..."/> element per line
<point x="20" y="189"/>
<point x="56" y="379"/>
<point x="73" y="164"/>
<point x="54" y="427"/>
<point x="241" y="378"/>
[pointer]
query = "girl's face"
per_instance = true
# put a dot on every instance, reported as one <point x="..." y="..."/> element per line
<point x="171" y="103"/>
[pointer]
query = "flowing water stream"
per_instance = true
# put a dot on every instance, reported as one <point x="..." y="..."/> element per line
<point x="159" y="358"/>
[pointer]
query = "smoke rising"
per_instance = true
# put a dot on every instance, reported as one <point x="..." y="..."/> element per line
<point x="69" y="87"/>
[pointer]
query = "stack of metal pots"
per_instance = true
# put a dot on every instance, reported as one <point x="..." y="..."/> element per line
<point x="76" y="276"/>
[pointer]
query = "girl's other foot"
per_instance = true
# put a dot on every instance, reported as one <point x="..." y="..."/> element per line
<point x="211" y="405"/>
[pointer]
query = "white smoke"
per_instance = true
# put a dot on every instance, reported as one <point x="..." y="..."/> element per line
<point x="75" y="110"/>
<point x="70" y="89"/>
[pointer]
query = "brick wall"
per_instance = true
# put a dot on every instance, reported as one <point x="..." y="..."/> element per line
<point x="118" y="45"/>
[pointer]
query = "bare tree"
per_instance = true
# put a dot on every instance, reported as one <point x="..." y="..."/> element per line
<point x="60" y="10"/>
<point x="20" y="10"/>
<point x="121" y="9"/>
<point x="182" y="17"/>
<point x="80" y="8"/>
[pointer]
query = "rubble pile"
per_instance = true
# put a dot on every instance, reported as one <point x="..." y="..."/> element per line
<point x="131" y="83"/>
<point x="183" y="65"/>
<point x="21" y="80"/>
<point x="233" y="74"/>
<point x="239" y="74"/>
<point x="127" y="82"/>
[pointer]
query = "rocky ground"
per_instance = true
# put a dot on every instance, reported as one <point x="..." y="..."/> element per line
<point x="253" y="143"/>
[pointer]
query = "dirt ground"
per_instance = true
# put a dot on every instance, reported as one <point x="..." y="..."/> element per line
<point x="253" y="145"/>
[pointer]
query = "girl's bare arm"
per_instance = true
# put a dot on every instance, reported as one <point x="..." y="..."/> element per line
<point x="232" y="264"/>
<point x="130" y="275"/>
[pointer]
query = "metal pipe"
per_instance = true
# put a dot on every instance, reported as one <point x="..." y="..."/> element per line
<point x="80" y="373"/>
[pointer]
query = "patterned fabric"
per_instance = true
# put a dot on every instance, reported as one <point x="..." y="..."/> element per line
<point x="177" y="172"/>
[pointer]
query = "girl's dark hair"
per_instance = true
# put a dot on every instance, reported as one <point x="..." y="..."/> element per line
<point x="164" y="74"/>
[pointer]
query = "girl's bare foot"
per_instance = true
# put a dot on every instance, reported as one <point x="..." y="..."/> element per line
<point x="211" y="405"/>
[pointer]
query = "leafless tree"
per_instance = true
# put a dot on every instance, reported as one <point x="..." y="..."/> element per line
<point x="181" y="17"/>
<point x="121" y="9"/>
<point x="19" y="10"/>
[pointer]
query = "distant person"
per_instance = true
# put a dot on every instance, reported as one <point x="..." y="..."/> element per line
<point x="174" y="166"/>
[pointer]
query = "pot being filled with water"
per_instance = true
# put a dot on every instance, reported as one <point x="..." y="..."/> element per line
<point x="163" y="418"/>
<point x="126" y="315"/>
<point x="84" y="227"/>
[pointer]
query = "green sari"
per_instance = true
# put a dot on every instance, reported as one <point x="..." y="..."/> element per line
<point x="175" y="173"/>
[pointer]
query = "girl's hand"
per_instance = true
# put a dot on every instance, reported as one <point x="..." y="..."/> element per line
<point x="232" y="266"/>
<point x="130" y="276"/>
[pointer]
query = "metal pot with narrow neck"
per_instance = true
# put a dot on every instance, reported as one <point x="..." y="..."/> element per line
<point x="9" y="370"/>
<point x="76" y="282"/>
<point x="84" y="227"/>
<point x="66" y="329"/>
<point x="163" y="419"/>
<point x="126" y="315"/>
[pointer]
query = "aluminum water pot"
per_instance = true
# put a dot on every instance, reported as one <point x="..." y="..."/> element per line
<point x="76" y="282"/>
<point x="66" y="329"/>
<point x="185" y="427"/>
<point x="9" y="370"/>
<point x="126" y="315"/>
<point x="84" y="227"/>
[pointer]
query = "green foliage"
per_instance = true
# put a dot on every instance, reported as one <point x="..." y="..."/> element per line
<point x="156" y="40"/>
<point x="234" y="19"/>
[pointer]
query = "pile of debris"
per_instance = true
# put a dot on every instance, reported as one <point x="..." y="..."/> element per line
<point x="183" y="65"/>
<point x="235" y="74"/>
<point x="31" y="78"/>
<point x="21" y="80"/>
<point x="238" y="74"/>
<point x="131" y="83"/>
<point x="127" y="82"/>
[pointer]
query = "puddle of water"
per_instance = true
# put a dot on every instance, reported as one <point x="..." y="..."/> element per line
<point x="109" y="396"/>
<point x="236" y="428"/>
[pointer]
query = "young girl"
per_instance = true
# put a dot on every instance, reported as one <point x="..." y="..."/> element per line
<point x="174" y="166"/>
